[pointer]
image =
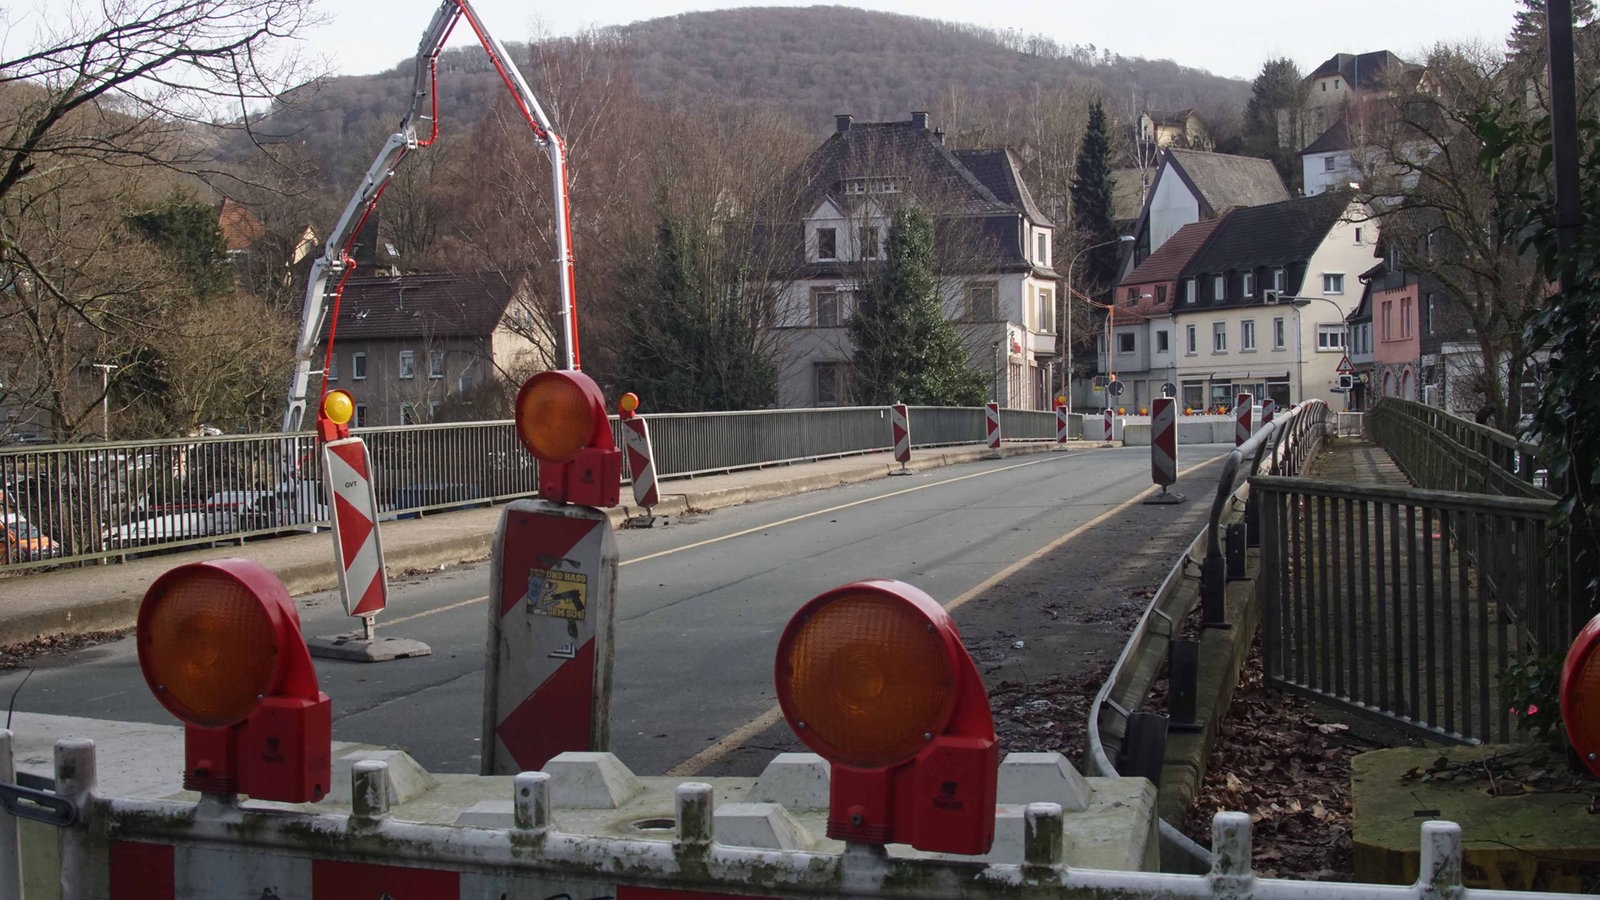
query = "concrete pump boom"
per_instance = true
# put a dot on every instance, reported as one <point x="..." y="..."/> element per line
<point x="335" y="264"/>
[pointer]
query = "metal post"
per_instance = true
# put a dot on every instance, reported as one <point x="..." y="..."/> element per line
<point x="1066" y="313"/>
<point x="105" y="391"/>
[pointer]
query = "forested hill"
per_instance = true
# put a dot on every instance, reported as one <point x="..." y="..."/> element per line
<point x="811" y="62"/>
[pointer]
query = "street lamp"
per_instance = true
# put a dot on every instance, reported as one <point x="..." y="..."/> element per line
<point x="1300" y="337"/>
<point x="1066" y="313"/>
<point x="105" y="394"/>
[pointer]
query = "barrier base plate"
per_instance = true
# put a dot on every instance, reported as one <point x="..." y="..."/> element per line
<point x="1165" y="499"/>
<point x="355" y="648"/>
<point x="901" y="471"/>
<point x="993" y="454"/>
<point x="646" y="522"/>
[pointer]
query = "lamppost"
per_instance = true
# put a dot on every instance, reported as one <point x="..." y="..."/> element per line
<point x="1300" y="339"/>
<point x="1066" y="313"/>
<point x="105" y="394"/>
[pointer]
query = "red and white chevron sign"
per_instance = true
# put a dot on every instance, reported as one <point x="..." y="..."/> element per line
<point x="1061" y="423"/>
<point x="900" y="422"/>
<point x="1241" y="418"/>
<point x="1269" y="408"/>
<point x="641" y="461"/>
<point x="346" y="476"/>
<point x="993" y="413"/>
<point x="1111" y="421"/>
<point x="1164" y="441"/>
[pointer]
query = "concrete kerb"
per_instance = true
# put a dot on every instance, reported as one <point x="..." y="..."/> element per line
<point x="106" y="597"/>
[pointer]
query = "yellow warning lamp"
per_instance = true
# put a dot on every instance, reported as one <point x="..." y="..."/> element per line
<point x="561" y="420"/>
<point x="220" y="646"/>
<point x="333" y="418"/>
<point x="1580" y="694"/>
<point x="628" y="404"/>
<point x="874" y="678"/>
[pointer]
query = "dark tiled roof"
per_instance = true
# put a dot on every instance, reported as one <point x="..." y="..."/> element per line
<point x="1222" y="180"/>
<point x="1170" y="116"/>
<point x="1360" y="69"/>
<point x="409" y="306"/>
<point x="1167" y="263"/>
<point x="1274" y="235"/>
<point x="999" y="171"/>
<point x="1335" y="138"/>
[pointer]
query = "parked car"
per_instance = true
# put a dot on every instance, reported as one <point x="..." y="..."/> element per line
<point x="23" y="542"/>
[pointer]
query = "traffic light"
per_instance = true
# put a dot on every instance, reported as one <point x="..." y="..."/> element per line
<point x="873" y="677"/>
<point x="220" y="646"/>
<point x="561" y="420"/>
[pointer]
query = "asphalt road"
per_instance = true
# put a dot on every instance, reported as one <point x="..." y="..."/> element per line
<point x="701" y="604"/>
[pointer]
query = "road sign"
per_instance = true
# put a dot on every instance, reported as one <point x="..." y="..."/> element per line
<point x="362" y="584"/>
<point x="900" y="428"/>
<point x="641" y="461"/>
<point x="1344" y="365"/>
<point x="1115" y="388"/>
<point x="992" y="424"/>
<point x="1169" y="389"/>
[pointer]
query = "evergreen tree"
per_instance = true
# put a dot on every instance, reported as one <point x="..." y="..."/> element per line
<point x="686" y="343"/>
<point x="186" y="230"/>
<point x="1280" y="89"/>
<point x="1527" y="40"/>
<point x="906" y="350"/>
<point x="1092" y="186"/>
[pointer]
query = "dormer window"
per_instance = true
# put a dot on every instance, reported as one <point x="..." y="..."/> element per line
<point x="860" y="186"/>
<point x="827" y="243"/>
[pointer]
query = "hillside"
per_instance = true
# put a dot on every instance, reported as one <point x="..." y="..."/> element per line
<point x="809" y="62"/>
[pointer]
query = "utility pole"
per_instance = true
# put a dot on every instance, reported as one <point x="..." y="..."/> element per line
<point x="1066" y="313"/>
<point x="105" y="396"/>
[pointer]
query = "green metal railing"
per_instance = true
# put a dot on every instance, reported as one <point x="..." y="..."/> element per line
<point x="1443" y="452"/>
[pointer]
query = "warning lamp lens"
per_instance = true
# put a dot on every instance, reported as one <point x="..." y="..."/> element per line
<point x="866" y="679"/>
<point x="338" y="407"/>
<point x="207" y="647"/>
<point x="628" y="402"/>
<point x="1580" y="694"/>
<point x="556" y="416"/>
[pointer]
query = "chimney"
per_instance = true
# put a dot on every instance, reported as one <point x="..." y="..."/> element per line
<point x="919" y="121"/>
<point x="939" y="136"/>
<point x="841" y="123"/>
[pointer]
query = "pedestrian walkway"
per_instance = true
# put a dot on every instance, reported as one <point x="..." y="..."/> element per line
<point x="1357" y="460"/>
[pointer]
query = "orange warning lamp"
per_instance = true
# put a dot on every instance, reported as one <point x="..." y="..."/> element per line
<point x="1580" y="694"/>
<point x="873" y="677"/>
<point x="561" y="420"/>
<point x="627" y="405"/>
<point x="333" y="418"/>
<point x="220" y="646"/>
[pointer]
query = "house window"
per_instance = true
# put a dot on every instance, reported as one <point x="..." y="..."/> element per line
<point x="1162" y="344"/>
<point x="1219" y="287"/>
<point x="1358" y="234"/>
<point x="1043" y="256"/>
<point x="408" y="363"/>
<point x="435" y="363"/>
<point x="1327" y="164"/>
<point x="1332" y="283"/>
<point x="1190" y="288"/>
<point x="828" y="379"/>
<point x="1277" y="280"/>
<point x="433" y="410"/>
<point x="360" y="416"/>
<point x="1336" y="84"/>
<point x="1387" y="333"/>
<point x="463" y="384"/>
<point x="982" y="303"/>
<point x="408" y="414"/>
<point x="333" y="367"/>
<point x="1427" y="313"/>
<point x="827" y="243"/>
<point x="1219" y="337"/>
<point x="1190" y="339"/>
<point x="869" y="242"/>
<point x="1046" y="302"/>
<point x="1279" y="340"/>
<point x="827" y="308"/>
<point x="1247" y="336"/>
<point x="1324" y="86"/>
<point x="358" y="366"/>
<point x="1330" y="338"/>
<point x="1248" y="284"/>
<point x="1133" y="296"/>
<point x="1405" y="317"/>
<point x="1125" y="342"/>
<point x="1161" y="294"/>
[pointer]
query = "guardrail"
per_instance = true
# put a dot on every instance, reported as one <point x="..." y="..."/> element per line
<point x="84" y="502"/>
<point x="1284" y="446"/>
<point x="1443" y="452"/>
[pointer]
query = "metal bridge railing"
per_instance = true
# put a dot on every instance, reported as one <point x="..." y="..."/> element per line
<point x="92" y="501"/>
<point x="1443" y="452"/>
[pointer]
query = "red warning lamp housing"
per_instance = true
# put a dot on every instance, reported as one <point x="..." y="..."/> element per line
<point x="1580" y="694"/>
<point x="561" y="420"/>
<point x="873" y="677"/>
<point x="220" y="646"/>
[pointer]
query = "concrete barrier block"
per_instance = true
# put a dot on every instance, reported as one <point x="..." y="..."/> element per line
<point x="588" y="780"/>
<point x="793" y="780"/>
<point x="405" y="779"/>
<point x="1042" y="778"/>
<point x="1136" y="434"/>
<point x="764" y="825"/>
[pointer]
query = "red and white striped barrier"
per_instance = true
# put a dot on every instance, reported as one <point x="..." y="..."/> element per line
<point x="1164" y="442"/>
<point x="346" y="469"/>
<point x="1061" y="422"/>
<point x="1110" y="419"/>
<point x="900" y="425"/>
<point x="641" y="460"/>
<point x="1269" y="408"/>
<point x="1241" y="418"/>
<point x="992" y="412"/>
<point x="552" y="590"/>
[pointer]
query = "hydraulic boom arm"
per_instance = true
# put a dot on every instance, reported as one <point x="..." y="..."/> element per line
<point x="335" y="264"/>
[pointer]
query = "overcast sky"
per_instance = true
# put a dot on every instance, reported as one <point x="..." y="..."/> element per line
<point x="1228" y="37"/>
